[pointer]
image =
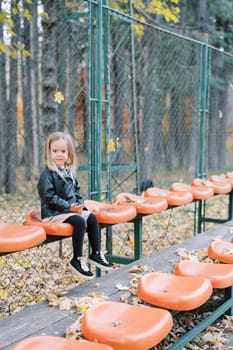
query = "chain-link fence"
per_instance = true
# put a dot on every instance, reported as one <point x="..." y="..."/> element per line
<point x="141" y="102"/>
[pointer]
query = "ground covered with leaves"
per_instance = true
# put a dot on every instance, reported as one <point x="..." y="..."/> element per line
<point x="41" y="273"/>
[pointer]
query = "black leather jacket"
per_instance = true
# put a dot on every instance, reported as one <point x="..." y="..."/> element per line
<point x="57" y="192"/>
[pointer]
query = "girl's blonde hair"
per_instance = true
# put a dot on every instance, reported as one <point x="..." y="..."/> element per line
<point x="55" y="136"/>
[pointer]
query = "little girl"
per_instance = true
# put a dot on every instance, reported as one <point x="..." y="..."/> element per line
<point x="61" y="201"/>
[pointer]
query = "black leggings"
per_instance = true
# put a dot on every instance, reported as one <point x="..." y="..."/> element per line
<point x="93" y="232"/>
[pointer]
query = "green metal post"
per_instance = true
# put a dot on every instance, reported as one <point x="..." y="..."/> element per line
<point x="95" y="101"/>
<point x="91" y="105"/>
<point x="135" y="118"/>
<point x="99" y="44"/>
<point x="106" y="35"/>
<point x="138" y="237"/>
<point x="230" y="206"/>
<point x="106" y="26"/>
<point x="204" y="79"/>
<point x="203" y="107"/>
<point x="229" y="295"/>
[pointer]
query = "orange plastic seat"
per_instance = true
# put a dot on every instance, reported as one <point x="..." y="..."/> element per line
<point x="222" y="251"/>
<point x="125" y="326"/>
<point x="141" y="204"/>
<point x="45" y="342"/>
<point x="110" y="213"/>
<point x="174" y="292"/>
<point x="33" y="218"/>
<point x="222" y="178"/>
<point x="229" y="175"/>
<point x="14" y="237"/>
<point x="220" y="275"/>
<point x="218" y="187"/>
<point x="198" y="192"/>
<point x="173" y="198"/>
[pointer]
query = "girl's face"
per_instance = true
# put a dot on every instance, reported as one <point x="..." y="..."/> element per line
<point x="59" y="152"/>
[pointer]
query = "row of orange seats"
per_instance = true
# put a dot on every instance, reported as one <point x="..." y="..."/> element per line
<point x="111" y="325"/>
<point x="125" y="207"/>
<point x="152" y="199"/>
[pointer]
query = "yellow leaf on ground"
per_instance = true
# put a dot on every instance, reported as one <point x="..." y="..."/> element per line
<point x="4" y="294"/>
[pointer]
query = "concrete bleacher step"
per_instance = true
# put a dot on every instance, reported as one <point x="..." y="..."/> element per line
<point x="42" y="319"/>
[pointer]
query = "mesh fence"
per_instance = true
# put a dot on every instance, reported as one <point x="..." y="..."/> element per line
<point x="132" y="101"/>
<point x="168" y="107"/>
<point x="220" y="117"/>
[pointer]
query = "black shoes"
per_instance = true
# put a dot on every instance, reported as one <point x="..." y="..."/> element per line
<point x="98" y="259"/>
<point x="80" y="267"/>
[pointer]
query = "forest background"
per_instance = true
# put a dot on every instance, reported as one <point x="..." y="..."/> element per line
<point x="152" y="82"/>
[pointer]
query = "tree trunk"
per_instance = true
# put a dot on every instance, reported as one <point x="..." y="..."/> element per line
<point x="49" y="120"/>
<point x="11" y="122"/>
<point x="35" y="89"/>
<point x="26" y="89"/>
<point x="193" y="128"/>
<point x="3" y="103"/>
<point x="173" y="125"/>
<point x="61" y="52"/>
<point x="121" y="54"/>
<point x="72" y="76"/>
<point x="202" y="16"/>
<point x="212" y="129"/>
<point x="150" y="111"/>
<point x="222" y="150"/>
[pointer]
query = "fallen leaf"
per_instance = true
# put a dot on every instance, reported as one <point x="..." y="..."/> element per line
<point x="120" y="287"/>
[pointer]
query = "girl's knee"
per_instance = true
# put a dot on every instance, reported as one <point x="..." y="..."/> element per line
<point x="77" y="221"/>
<point x="91" y="219"/>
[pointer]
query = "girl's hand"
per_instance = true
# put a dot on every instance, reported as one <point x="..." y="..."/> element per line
<point x="76" y="208"/>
